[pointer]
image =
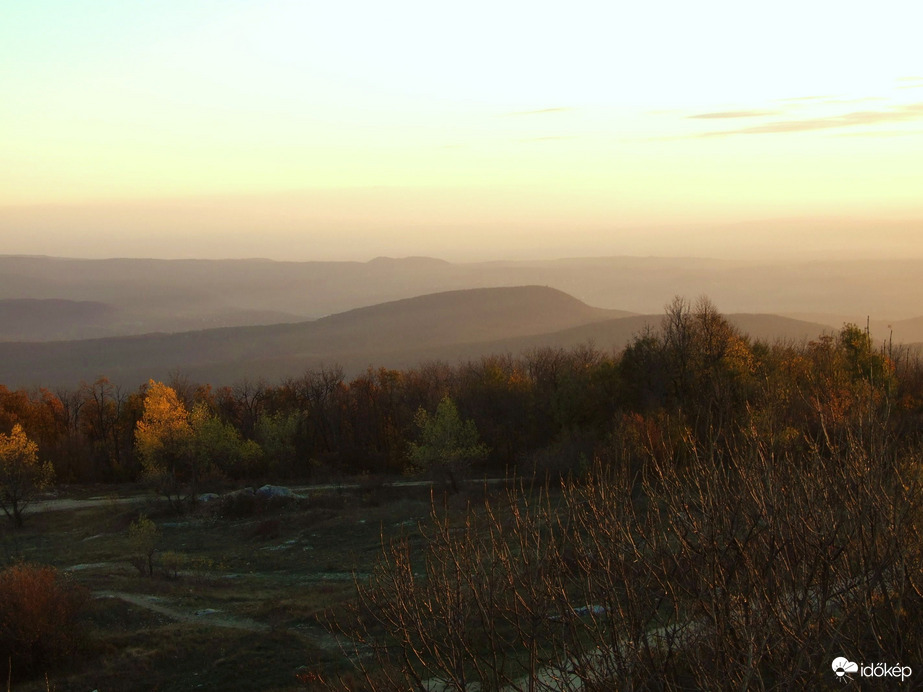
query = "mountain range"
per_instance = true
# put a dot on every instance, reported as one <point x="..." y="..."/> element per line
<point x="44" y="299"/>
<point x="444" y="326"/>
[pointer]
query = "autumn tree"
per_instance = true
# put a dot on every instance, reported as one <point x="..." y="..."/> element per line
<point x="21" y="473"/>
<point x="163" y="439"/>
<point x="178" y="447"/>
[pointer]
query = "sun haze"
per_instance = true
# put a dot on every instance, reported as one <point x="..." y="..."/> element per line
<point x="302" y="130"/>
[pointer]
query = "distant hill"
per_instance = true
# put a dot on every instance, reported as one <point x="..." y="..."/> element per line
<point x="904" y="331"/>
<point x="31" y="319"/>
<point x="400" y="334"/>
<point x="34" y="319"/>
<point x="150" y="295"/>
<point x="363" y="335"/>
<point x="146" y="295"/>
<point x="610" y="335"/>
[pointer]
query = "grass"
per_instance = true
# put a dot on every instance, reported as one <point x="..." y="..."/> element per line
<point x="241" y="611"/>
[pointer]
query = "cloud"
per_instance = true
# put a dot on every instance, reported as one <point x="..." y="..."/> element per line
<point x="855" y="119"/>
<point x="806" y="98"/>
<point x="733" y="114"/>
<point x="881" y="133"/>
<point x="541" y="111"/>
<point x="549" y="138"/>
<point x="865" y="99"/>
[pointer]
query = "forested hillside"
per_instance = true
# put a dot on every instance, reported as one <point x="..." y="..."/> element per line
<point x="555" y="408"/>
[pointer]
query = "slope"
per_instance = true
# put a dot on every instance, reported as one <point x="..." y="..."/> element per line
<point x="426" y="322"/>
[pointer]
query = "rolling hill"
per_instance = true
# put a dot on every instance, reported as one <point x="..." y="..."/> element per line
<point x="361" y="335"/>
<point x="33" y="319"/>
<point x="138" y="296"/>
<point x="398" y="334"/>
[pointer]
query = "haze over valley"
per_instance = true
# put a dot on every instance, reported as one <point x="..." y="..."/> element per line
<point x="225" y="321"/>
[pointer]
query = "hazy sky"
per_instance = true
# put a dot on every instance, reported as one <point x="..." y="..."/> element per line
<point x="320" y="130"/>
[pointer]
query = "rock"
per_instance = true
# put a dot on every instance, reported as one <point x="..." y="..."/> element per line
<point x="274" y="491"/>
<point x="237" y="494"/>
<point x="590" y="610"/>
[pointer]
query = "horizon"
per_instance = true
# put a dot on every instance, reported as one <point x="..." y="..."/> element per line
<point x="776" y="241"/>
<point x="515" y="132"/>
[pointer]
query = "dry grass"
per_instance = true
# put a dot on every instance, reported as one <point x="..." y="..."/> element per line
<point x="273" y="572"/>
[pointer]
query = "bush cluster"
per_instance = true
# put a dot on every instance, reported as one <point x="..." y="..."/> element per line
<point x="40" y="619"/>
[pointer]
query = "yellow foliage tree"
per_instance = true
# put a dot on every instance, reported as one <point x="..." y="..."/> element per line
<point x="177" y="447"/>
<point x="21" y="473"/>
<point x="163" y="439"/>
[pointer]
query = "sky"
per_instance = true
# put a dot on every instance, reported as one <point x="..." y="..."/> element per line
<point x="477" y="130"/>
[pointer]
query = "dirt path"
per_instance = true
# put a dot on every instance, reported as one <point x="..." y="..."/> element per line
<point x="300" y="492"/>
<point x="312" y="634"/>
<point x="206" y="616"/>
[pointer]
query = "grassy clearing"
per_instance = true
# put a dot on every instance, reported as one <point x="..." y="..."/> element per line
<point x="236" y="602"/>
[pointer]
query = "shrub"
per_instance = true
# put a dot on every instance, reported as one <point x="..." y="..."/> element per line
<point x="39" y="618"/>
<point x="175" y="565"/>
<point x="144" y="537"/>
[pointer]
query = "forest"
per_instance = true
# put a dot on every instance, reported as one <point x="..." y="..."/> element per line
<point x="699" y="510"/>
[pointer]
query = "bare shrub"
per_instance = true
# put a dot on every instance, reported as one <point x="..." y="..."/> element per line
<point x="741" y="570"/>
<point x="39" y="619"/>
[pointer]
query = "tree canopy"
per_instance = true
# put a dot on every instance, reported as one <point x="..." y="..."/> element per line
<point x="21" y="473"/>
<point x="446" y="443"/>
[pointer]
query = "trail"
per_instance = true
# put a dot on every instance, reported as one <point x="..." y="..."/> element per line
<point x="205" y="616"/>
<point x="300" y="492"/>
<point x="312" y="634"/>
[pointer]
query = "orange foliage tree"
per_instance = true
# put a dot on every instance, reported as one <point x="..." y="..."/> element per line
<point x="21" y="473"/>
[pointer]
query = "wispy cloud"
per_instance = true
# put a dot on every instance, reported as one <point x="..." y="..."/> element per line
<point x="732" y="114"/>
<point x="550" y="138"/>
<point x="879" y="133"/>
<point x="865" y="99"/>
<point x="806" y="98"/>
<point x="854" y="119"/>
<point x="541" y="111"/>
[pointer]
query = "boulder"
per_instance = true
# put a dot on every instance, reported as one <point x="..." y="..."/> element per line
<point x="274" y="491"/>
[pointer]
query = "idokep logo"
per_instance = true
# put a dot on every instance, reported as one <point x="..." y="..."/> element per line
<point x="843" y="667"/>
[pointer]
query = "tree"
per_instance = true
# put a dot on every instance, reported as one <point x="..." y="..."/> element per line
<point x="447" y="443"/>
<point x="277" y="434"/>
<point x="103" y="422"/>
<point x="163" y="439"/>
<point x="21" y="473"/>
<point x="178" y="447"/>
<point x="144" y="538"/>
<point x="214" y="443"/>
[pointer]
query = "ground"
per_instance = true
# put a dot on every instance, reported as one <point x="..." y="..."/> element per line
<point x="237" y="602"/>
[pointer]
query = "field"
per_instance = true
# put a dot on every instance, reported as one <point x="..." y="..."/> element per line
<point x="236" y="601"/>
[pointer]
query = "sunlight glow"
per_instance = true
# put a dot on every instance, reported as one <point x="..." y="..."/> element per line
<point x="645" y="114"/>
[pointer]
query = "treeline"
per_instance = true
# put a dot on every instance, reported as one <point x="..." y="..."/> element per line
<point x="549" y="410"/>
